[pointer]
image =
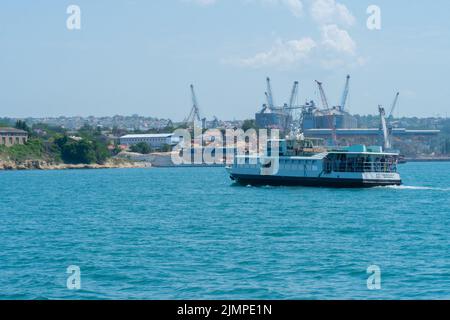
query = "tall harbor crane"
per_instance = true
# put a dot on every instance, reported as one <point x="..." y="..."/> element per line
<point x="294" y="95"/>
<point x="269" y="95"/>
<point x="194" y="115"/>
<point x="325" y="104"/>
<point x="331" y="117"/>
<point x="385" y="126"/>
<point x="345" y="94"/>
<point x="384" y="129"/>
<point x="279" y="116"/>
<point x="268" y="105"/>
<point x="288" y="108"/>
<point x="394" y="104"/>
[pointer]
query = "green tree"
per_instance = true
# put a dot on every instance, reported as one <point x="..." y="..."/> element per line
<point x="249" y="124"/>
<point x="22" y="125"/>
<point x="101" y="152"/>
<point x="61" y="140"/>
<point x="81" y="151"/>
<point x="166" y="148"/>
<point x="77" y="152"/>
<point x="141" y="147"/>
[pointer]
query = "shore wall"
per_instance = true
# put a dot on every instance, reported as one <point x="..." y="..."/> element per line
<point x="44" y="165"/>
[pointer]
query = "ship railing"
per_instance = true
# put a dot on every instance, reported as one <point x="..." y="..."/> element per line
<point x="364" y="167"/>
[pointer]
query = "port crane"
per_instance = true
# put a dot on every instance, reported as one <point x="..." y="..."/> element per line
<point x="384" y="128"/>
<point x="294" y="95"/>
<point x="344" y="98"/>
<point x="269" y="98"/>
<point x="288" y="108"/>
<point x="345" y="93"/>
<point x="326" y="107"/>
<point x="269" y="95"/>
<point x="268" y="102"/>
<point x="394" y="104"/>
<point x="323" y="96"/>
<point x="194" y="115"/>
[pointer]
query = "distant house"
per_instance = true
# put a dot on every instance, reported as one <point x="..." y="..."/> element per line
<point x="12" y="136"/>
<point x="155" y="141"/>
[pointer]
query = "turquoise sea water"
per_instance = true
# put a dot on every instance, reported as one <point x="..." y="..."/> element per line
<point x="188" y="233"/>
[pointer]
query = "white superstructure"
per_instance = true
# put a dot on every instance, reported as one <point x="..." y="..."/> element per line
<point x="356" y="166"/>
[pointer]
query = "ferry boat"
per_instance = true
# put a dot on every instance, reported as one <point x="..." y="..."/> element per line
<point x="305" y="162"/>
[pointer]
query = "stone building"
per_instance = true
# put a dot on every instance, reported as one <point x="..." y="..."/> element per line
<point x="12" y="136"/>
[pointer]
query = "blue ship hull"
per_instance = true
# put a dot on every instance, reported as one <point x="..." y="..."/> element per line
<point x="258" y="180"/>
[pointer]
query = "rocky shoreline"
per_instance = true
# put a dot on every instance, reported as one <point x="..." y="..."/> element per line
<point x="46" y="165"/>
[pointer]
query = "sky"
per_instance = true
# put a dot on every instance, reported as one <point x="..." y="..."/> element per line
<point x="139" y="56"/>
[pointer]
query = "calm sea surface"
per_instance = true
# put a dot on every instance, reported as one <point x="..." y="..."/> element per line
<point x="189" y="233"/>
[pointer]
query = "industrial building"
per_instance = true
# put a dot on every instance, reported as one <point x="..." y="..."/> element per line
<point x="409" y="142"/>
<point x="12" y="136"/>
<point x="373" y="133"/>
<point x="335" y="117"/>
<point x="155" y="141"/>
<point x="312" y="117"/>
<point x="335" y="125"/>
<point x="273" y="117"/>
<point x="325" y="119"/>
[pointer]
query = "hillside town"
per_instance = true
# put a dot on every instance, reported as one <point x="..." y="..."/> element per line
<point x="99" y="140"/>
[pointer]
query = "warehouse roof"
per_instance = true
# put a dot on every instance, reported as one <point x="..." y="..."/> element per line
<point x="156" y="135"/>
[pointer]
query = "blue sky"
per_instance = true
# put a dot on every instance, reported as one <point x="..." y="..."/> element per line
<point x="139" y="56"/>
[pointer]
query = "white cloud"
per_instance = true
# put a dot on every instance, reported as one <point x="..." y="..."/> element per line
<point x="337" y="39"/>
<point x="331" y="12"/>
<point x="322" y="11"/>
<point x="295" y="6"/>
<point x="281" y="54"/>
<point x="334" y="49"/>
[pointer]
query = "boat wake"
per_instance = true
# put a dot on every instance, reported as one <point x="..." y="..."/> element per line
<point x="415" y="188"/>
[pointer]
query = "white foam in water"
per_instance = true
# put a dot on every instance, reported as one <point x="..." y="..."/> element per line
<point x="416" y="188"/>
